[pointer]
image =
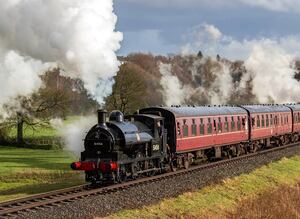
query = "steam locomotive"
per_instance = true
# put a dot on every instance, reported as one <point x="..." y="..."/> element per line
<point x="159" y="139"/>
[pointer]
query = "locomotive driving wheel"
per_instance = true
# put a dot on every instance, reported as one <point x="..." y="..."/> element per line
<point x="150" y="165"/>
<point x="173" y="164"/>
<point x="122" y="175"/>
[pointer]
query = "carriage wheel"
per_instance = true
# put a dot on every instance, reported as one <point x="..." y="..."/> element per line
<point x="186" y="163"/>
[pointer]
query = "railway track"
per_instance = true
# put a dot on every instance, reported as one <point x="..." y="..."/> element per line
<point x="59" y="197"/>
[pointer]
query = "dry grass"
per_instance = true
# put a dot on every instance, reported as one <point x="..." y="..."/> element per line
<point x="283" y="202"/>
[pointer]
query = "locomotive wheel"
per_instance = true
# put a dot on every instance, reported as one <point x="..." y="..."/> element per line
<point x="173" y="165"/>
<point x="150" y="166"/>
<point x="122" y="176"/>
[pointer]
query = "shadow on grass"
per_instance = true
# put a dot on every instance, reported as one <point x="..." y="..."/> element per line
<point x="49" y="163"/>
<point x="39" y="188"/>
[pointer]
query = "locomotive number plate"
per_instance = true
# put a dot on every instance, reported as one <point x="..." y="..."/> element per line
<point x="155" y="147"/>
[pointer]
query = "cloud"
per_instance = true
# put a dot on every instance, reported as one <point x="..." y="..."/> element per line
<point x="273" y="5"/>
<point x="210" y="40"/>
<point x="276" y="5"/>
<point x="182" y="4"/>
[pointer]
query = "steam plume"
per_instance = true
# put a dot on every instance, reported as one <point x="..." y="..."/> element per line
<point x="78" y="35"/>
<point x="75" y="132"/>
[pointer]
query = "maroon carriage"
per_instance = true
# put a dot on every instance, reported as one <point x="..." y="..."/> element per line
<point x="192" y="129"/>
<point x="296" y="120"/>
<point x="269" y="124"/>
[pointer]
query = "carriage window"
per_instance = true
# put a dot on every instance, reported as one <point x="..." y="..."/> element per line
<point x="253" y="121"/>
<point x="271" y="119"/>
<point x="239" y="123"/>
<point x="201" y="127"/>
<point x="267" y="120"/>
<point x="298" y="117"/>
<point x="194" y="128"/>
<point x="262" y="121"/>
<point x="219" y="125"/>
<point x="178" y="129"/>
<point x="209" y="126"/>
<point x="281" y="119"/>
<point x="232" y="124"/>
<point x="185" y="129"/>
<point x="226" y="128"/>
<point x="287" y="119"/>
<point x="243" y="122"/>
<point x="295" y="118"/>
<point x="258" y="121"/>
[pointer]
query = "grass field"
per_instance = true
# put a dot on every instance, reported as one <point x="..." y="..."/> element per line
<point x="224" y="200"/>
<point x="26" y="171"/>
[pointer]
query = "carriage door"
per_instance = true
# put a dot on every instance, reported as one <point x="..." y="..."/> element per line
<point x="214" y="131"/>
<point x="276" y="124"/>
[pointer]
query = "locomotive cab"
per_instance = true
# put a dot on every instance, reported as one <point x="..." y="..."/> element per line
<point x="155" y="125"/>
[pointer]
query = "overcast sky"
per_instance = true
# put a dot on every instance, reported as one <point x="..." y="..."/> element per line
<point x="215" y="26"/>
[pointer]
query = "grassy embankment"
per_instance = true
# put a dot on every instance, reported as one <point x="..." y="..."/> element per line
<point x="26" y="171"/>
<point x="253" y="195"/>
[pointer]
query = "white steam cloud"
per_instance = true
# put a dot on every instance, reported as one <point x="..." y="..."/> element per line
<point x="75" y="132"/>
<point x="174" y="92"/>
<point x="273" y="72"/>
<point x="78" y="35"/>
<point x="19" y="75"/>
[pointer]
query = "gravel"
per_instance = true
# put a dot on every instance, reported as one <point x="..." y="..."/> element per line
<point x="150" y="193"/>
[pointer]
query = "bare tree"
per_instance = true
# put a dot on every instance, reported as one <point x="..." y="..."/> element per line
<point x="129" y="90"/>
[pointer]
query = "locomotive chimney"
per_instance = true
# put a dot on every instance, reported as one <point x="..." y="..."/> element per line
<point x="102" y="117"/>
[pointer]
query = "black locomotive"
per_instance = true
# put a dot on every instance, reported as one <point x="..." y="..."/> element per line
<point x="123" y="147"/>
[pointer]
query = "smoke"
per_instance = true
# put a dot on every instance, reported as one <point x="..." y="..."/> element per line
<point x="173" y="90"/>
<point x="204" y="36"/>
<point x="19" y="75"/>
<point x="218" y="90"/>
<point x="78" y="35"/>
<point x="74" y="133"/>
<point x="272" y="71"/>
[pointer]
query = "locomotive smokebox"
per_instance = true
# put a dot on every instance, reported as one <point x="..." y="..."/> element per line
<point x="102" y="117"/>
